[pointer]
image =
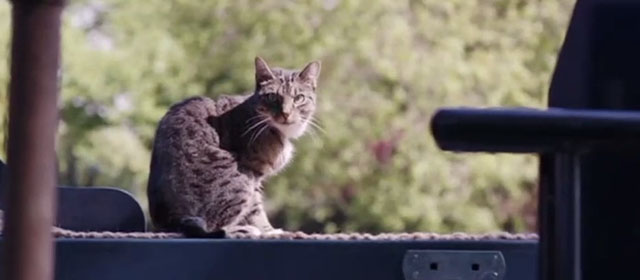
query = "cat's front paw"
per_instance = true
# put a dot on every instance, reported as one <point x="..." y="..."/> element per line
<point x="275" y="231"/>
<point x="245" y="230"/>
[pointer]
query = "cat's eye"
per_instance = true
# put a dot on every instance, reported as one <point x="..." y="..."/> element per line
<point x="271" y="97"/>
<point x="299" y="98"/>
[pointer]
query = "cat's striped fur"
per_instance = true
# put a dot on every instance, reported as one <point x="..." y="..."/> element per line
<point x="210" y="157"/>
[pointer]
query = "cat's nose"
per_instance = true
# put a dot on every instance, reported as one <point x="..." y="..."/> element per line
<point x="285" y="116"/>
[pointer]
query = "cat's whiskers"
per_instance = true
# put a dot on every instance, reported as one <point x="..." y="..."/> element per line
<point x="257" y="134"/>
<point x="313" y="122"/>
<point x="314" y="134"/>
<point x="254" y="117"/>
<point x="255" y="125"/>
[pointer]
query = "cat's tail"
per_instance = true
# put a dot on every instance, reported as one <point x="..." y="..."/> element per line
<point x="196" y="227"/>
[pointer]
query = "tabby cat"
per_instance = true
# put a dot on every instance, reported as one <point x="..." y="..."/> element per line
<point x="210" y="157"/>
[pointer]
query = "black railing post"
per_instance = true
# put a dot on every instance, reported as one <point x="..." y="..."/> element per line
<point x="560" y="219"/>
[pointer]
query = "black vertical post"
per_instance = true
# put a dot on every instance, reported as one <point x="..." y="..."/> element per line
<point x="35" y="55"/>
<point x="559" y="203"/>
<point x="560" y="217"/>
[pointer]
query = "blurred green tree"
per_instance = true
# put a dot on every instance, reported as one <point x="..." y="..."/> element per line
<point x="387" y="64"/>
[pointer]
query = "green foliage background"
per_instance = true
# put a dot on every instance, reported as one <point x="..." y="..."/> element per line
<point x="387" y="65"/>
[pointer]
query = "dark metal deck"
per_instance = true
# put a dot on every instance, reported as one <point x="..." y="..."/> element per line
<point x="194" y="259"/>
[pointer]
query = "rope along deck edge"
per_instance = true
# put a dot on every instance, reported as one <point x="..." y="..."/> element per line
<point x="63" y="233"/>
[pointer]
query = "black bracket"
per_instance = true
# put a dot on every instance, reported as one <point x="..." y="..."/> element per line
<point x="453" y="264"/>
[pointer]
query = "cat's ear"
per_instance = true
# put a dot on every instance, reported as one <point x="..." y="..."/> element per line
<point x="263" y="72"/>
<point x="310" y="73"/>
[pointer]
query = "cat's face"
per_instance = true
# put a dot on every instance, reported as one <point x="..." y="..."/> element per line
<point x="287" y="99"/>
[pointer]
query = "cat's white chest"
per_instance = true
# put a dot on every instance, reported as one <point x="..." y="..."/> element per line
<point x="284" y="157"/>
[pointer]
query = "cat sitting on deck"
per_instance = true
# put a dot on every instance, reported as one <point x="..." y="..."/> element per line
<point x="210" y="157"/>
